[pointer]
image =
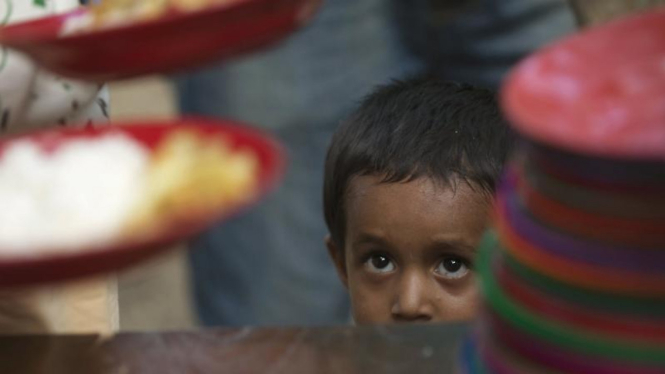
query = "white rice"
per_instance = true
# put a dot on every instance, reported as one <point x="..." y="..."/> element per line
<point x="78" y="197"/>
<point x="77" y="23"/>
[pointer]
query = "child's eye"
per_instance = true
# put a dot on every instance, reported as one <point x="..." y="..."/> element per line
<point x="452" y="268"/>
<point x="379" y="264"/>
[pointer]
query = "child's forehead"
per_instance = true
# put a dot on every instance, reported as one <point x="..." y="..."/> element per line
<point x="416" y="213"/>
<point x="370" y="195"/>
<point x="363" y="186"/>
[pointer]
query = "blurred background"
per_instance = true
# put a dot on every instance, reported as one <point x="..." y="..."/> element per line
<point x="269" y="266"/>
<point x="156" y="295"/>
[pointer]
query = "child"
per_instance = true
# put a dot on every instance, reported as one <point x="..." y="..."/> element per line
<point x="30" y="99"/>
<point x="408" y="189"/>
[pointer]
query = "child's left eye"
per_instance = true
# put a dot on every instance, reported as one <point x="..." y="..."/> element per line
<point x="452" y="268"/>
<point x="379" y="263"/>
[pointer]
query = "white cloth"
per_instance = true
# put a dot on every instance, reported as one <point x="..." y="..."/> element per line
<point x="31" y="98"/>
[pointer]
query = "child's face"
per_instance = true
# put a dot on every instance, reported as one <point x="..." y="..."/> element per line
<point x="409" y="250"/>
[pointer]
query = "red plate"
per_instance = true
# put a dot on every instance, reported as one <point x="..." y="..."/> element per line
<point x="647" y="232"/>
<point x="583" y="319"/>
<point x="601" y="92"/>
<point x="15" y="271"/>
<point x="576" y="273"/>
<point x="173" y="42"/>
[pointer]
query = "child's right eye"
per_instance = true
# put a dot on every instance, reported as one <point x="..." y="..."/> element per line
<point x="379" y="263"/>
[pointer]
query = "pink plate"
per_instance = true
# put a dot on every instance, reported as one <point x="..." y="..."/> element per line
<point x="173" y="42"/>
<point x="600" y="92"/>
<point x="63" y="265"/>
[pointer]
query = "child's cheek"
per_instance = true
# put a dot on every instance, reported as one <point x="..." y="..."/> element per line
<point x="369" y="304"/>
<point x="463" y="306"/>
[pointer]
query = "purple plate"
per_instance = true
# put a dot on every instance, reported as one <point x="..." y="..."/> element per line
<point x="626" y="205"/>
<point x="573" y="248"/>
<point x="637" y="174"/>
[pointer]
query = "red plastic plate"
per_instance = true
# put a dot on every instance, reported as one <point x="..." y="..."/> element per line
<point x="584" y="276"/>
<point x="174" y="42"/>
<point x="600" y="92"/>
<point x="63" y="265"/>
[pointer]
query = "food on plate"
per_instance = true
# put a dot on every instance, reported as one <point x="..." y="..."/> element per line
<point x="91" y="192"/>
<point x="78" y="195"/>
<point x="191" y="174"/>
<point x="110" y="13"/>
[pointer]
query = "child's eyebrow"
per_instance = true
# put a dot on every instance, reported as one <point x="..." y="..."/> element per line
<point x="369" y="238"/>
<point x="454" y="245"/>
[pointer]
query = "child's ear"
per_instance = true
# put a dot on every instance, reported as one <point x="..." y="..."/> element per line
<point x="337" y="256"/>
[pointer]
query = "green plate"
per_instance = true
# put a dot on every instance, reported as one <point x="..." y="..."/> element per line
<point x="554" y="332"/>
<point x="600" y="301"/>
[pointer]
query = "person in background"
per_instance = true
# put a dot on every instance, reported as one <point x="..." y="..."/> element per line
<point x="267" y="266"/>
<point x="32" y="99"/>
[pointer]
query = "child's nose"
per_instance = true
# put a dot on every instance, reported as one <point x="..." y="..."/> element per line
<point x="411" y="303"/>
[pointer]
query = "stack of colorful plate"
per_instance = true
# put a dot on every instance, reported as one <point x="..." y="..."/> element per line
<point x="574" y="274"/>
